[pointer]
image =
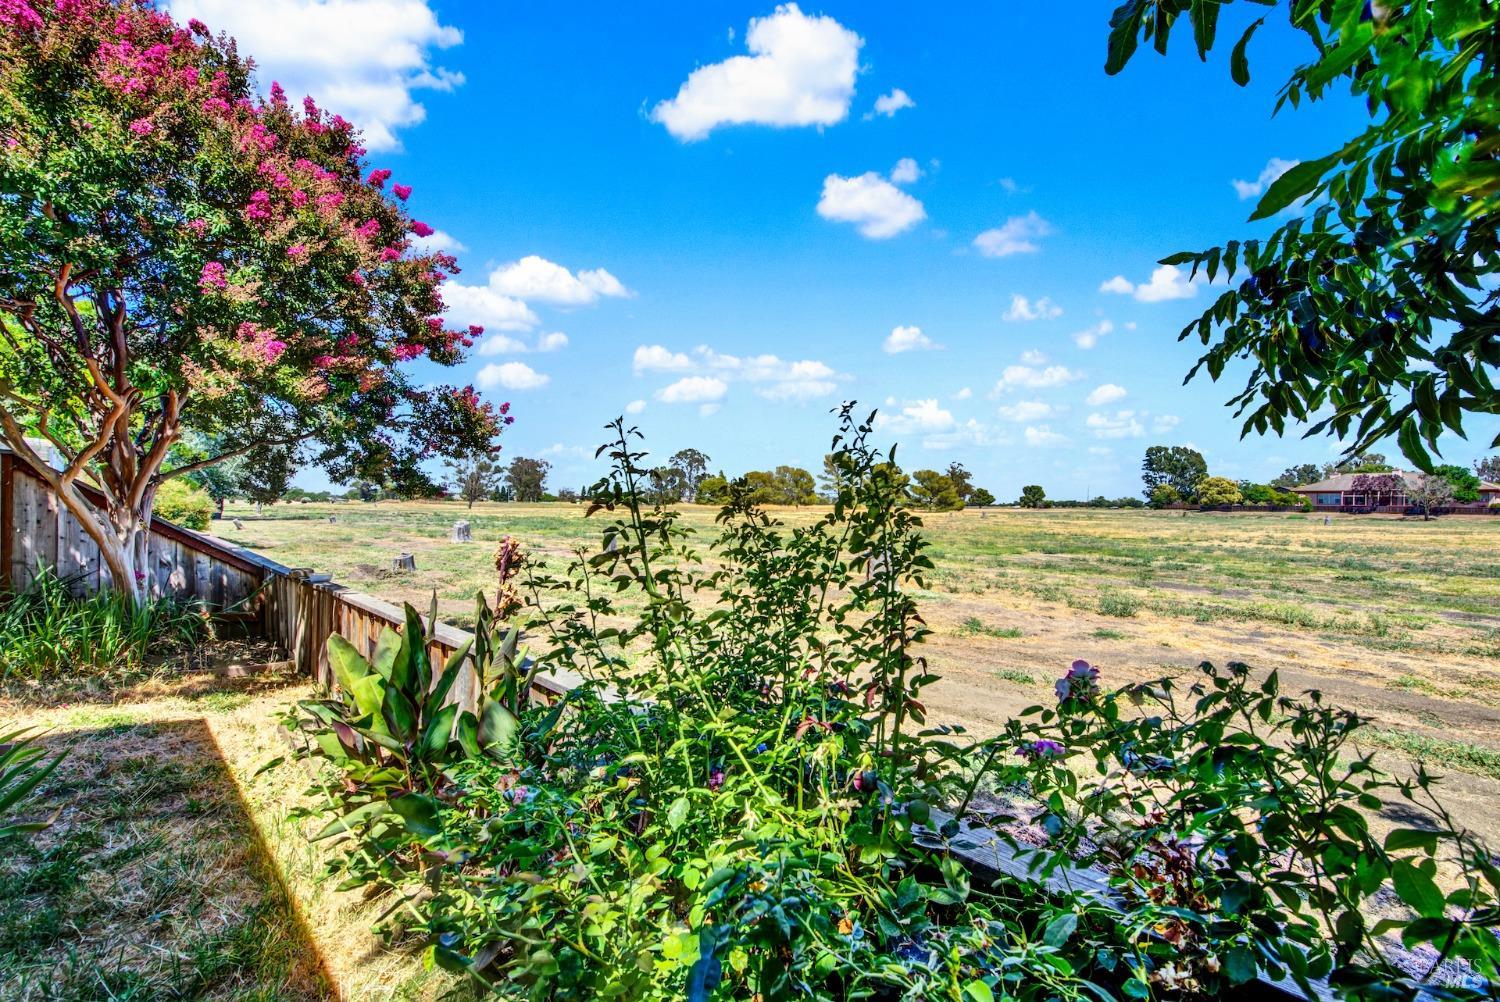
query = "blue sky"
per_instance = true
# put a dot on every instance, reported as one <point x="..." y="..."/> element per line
<point x="949" y="213"/>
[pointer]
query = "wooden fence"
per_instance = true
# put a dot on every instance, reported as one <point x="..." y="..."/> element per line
<point x="288" y="606"/>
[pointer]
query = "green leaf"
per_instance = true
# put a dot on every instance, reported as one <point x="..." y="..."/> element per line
<point x="388" y="651"/>
<point x="1060" y="930"/>
<point x="497" y="730"/>
<point x="439" y="732"/>
<point x="1239" y="66"/>
<point x="1294" y="184"/>
<point x="1239" y="964"/>
<point x="1416" y="887"/>
<point x="677" y="813"/>
<point x="454" y="665"/>
<point x="358" y="816"/>
<point x="466" y="732"/>
<point x="349" y="666"/>
<point x="421" y="661"/>
<point x="978" y="991"/>
<point x="1411" y="838"/>
<point x="420" y="813"/>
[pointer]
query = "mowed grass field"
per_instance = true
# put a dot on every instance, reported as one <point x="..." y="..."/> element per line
<point x="1398" y="619"/>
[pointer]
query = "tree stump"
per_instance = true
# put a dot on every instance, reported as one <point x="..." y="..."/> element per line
<point x="332" y="519"/>
<point x="461" y="533"/>
<point x="404" y="564"/>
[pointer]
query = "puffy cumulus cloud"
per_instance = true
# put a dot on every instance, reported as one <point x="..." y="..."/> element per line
<point x="800" y="71"/>
<point x="906" y="339"/>
<point x="655" y="358"/>
<point x="963" y="434"/>
<point x="360" y="58"/>
<point x="1023" y="309"/>
<point x="1106" y="393"/>
<point x="1274" y="168"/>
<point x="438" y="240"/>
<point x="963" y="394"/>
<point x="916" y="416"/>
<point x="1120" y="424"/>
<point x="482" y="305"/>
<point x="906" y="171"/>
<point x="504" y="344"/>
<point x="872" y="203"/>
<point x="693" y="390"/>
<point x="1025" y="411"/>
<point x="510" y="376"/>
<point x="889" y="104"/>
<point x="1017" y="235"/>
<point x="1034" y="377"/>
<point x="635" y="407"/>
<point x="1165" y="422"/>
<point x="1040" y="435"/>
<point x="772" y="377"/>
<point x="536" y="279"/>
<point x="1167" y="281"/>
<point x="1089" y="337"/>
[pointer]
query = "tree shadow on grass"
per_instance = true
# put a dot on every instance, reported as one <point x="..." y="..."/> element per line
<point x="153" y="882"/>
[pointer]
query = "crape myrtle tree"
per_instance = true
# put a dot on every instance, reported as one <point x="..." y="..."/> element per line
<point x="178" y="254"/>
<point x="1374" y="309"/>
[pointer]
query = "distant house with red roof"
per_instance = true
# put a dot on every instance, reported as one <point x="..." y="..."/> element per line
<point x="1377" y="491"/>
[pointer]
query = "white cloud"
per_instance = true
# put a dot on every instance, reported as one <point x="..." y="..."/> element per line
<point x="1106" y="393"/>
<point x="438" y="240"/>
<point x="966" y="433"/>
<point x="537" y="279"/>
<point x="511" y="376"/>
<point x="1024" y="411"/>
<point x="963" y="394"/>
<point x="889" y="104"/>
<point x="482" y="305"/>
<point x="1018" y="235"/>
<point x="916" y="416"/>
<point x="872" y="203"/>
<point x="707" y="410"/>
<point x="800" y="71"/>
<point x="1121" y="424"/>
<point x="906" y="171"/>
<point x="503" y="344"/>
<point x="1167" y="282"/>
<point x="1165" y="422"/>
<point x="906" y="339"/>
<point x="773" y="378"/>
<point x="1043" y="435"/>
<point x="635" y="407"/>
<point x="1034" y="378"/>
<point x="1022" y="309"/>
<point x="693" y="390"/>
<point x="360" y="58"/>
<point x="1033" y="357"/>
<point x="1274" y="168"/>
<point x="655" y="358"/>
<point x="1086" y="339"/>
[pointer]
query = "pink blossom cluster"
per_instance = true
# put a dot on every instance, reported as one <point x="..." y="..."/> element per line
<point x="1081" y="682"/>
<point x="263" y="344"/>
<point x="212" y="277"/>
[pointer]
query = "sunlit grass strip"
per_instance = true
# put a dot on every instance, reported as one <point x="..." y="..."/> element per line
<point x="1462" y="756"/>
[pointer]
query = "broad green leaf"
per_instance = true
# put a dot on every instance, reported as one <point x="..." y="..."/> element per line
<point x="1411" y="838"/>
<point x="497" y="730"/>
<point x="420" y="813"/>
<point x="1239" y="964"/>
<point x="439" y="732"/>
<point x="349" y="665"/>
<point x="1416" y="887"/>
<point x="387" y="651"/>
<point x="358" y="816"/>
<point x="1294" y="184"/>
<point x="1060" y="930"/>
<point x="1239" y="66"/>
<point x="677" y="813"/>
